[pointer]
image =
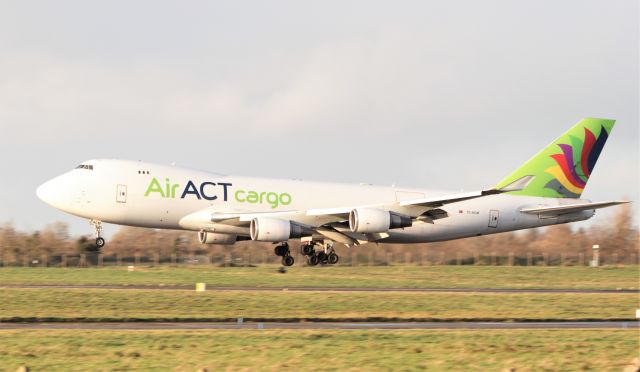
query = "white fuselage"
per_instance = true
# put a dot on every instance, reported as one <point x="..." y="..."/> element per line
<point x="157" y="196"/>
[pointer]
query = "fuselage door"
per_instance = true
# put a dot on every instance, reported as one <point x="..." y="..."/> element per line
<point x="494" y="214"/>
<point x="121" y="194"/>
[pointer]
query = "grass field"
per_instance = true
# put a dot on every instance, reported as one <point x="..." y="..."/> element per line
<point x="319" y="349"/>
<point x="524" y="350"/>
<point x="101" y="304"/>
<point x="340" y="276"/>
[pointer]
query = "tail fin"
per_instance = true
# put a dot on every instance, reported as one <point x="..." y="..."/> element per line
<point x="562" y="169"/>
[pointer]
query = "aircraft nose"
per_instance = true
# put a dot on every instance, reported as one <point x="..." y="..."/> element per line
<point x="63" y="192"/>
<point x="55" y="192"/>
<point x="46" y="192"/>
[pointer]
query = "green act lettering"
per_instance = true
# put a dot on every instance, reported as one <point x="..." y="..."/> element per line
<point x="254" y="197"/>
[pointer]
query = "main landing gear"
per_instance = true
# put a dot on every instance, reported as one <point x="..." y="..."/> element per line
<point x="97" y="227"/>
<point x="283" y="251"/>
<point x="325" y="256"/>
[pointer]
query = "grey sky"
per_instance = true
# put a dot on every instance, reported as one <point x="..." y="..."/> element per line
<point x="446" y="94"/>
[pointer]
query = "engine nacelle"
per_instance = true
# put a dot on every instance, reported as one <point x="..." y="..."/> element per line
<point x="276" y="230"/>
<point x="372" y="220"/>
<point x="206" y="237"/>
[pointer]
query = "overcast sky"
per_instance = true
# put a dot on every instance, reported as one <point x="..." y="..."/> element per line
<point x="441" y="94"/>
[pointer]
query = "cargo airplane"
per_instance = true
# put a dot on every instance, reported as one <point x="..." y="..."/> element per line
<point x="224" y="209"/>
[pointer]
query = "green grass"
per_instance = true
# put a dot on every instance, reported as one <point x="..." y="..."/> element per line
<point x="101" y="304"/>
<point x="293" y="350"/>
<point x="340" y="276"/>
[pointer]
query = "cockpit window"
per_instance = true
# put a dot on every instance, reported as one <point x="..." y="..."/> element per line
<point x="85" y="166"/>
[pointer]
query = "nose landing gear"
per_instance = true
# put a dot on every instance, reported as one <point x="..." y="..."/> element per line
<point x="97" y="227"/>
<point x="325" y="256"/>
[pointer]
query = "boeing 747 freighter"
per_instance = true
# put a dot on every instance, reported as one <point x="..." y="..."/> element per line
<point x="224" y="209"/>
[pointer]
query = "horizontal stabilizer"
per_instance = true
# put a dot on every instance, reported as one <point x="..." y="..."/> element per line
<point x="571" y="208"/>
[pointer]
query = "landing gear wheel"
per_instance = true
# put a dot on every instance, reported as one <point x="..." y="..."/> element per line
<point x="322" y="257"/>
<point x="333" y="258"/>
<point x="313" y="260"/>
<point x="306" y="249"/>
<point x="281" y="250"/>
<point x="287" y="261"/>
<point x="97" y="227"/>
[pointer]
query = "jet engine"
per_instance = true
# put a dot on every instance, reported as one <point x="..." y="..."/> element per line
<point x="372" y="220"/>
<point x="276" y="230"/>
<point x="206" y="237"/>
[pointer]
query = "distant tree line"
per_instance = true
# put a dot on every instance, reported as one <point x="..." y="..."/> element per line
<point x="617" y="237"/>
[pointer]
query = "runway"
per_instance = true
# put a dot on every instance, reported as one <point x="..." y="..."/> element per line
<point x="323" y="289"/>
<point x="320" y="325"/>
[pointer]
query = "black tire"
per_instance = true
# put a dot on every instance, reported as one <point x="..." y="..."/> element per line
<point x="281" y="250"/>
<point x="100" y="242"/>
<point x="333" y="258"/>
<point x="313" y="260"/>
<point x="287" y="261"/>
<point x="322" y="257"/>
<point x="306" y="249"/>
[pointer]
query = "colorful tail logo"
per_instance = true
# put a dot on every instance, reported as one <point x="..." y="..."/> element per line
<point x="575" y="163"/>
<point x="562" y="169"/>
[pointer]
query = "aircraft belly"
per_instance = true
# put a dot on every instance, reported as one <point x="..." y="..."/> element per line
<point x="467" y="219"/>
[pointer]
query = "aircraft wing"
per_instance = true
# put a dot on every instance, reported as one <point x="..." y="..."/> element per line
<point x="570" y="208"/>
<point x="439" y="201"/>
<point x="319" y="217"/>
<point x="331" y="222"/>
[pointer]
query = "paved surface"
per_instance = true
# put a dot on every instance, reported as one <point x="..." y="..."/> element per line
<point x="325" y="289"/>
<point x="321" y="325"/>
